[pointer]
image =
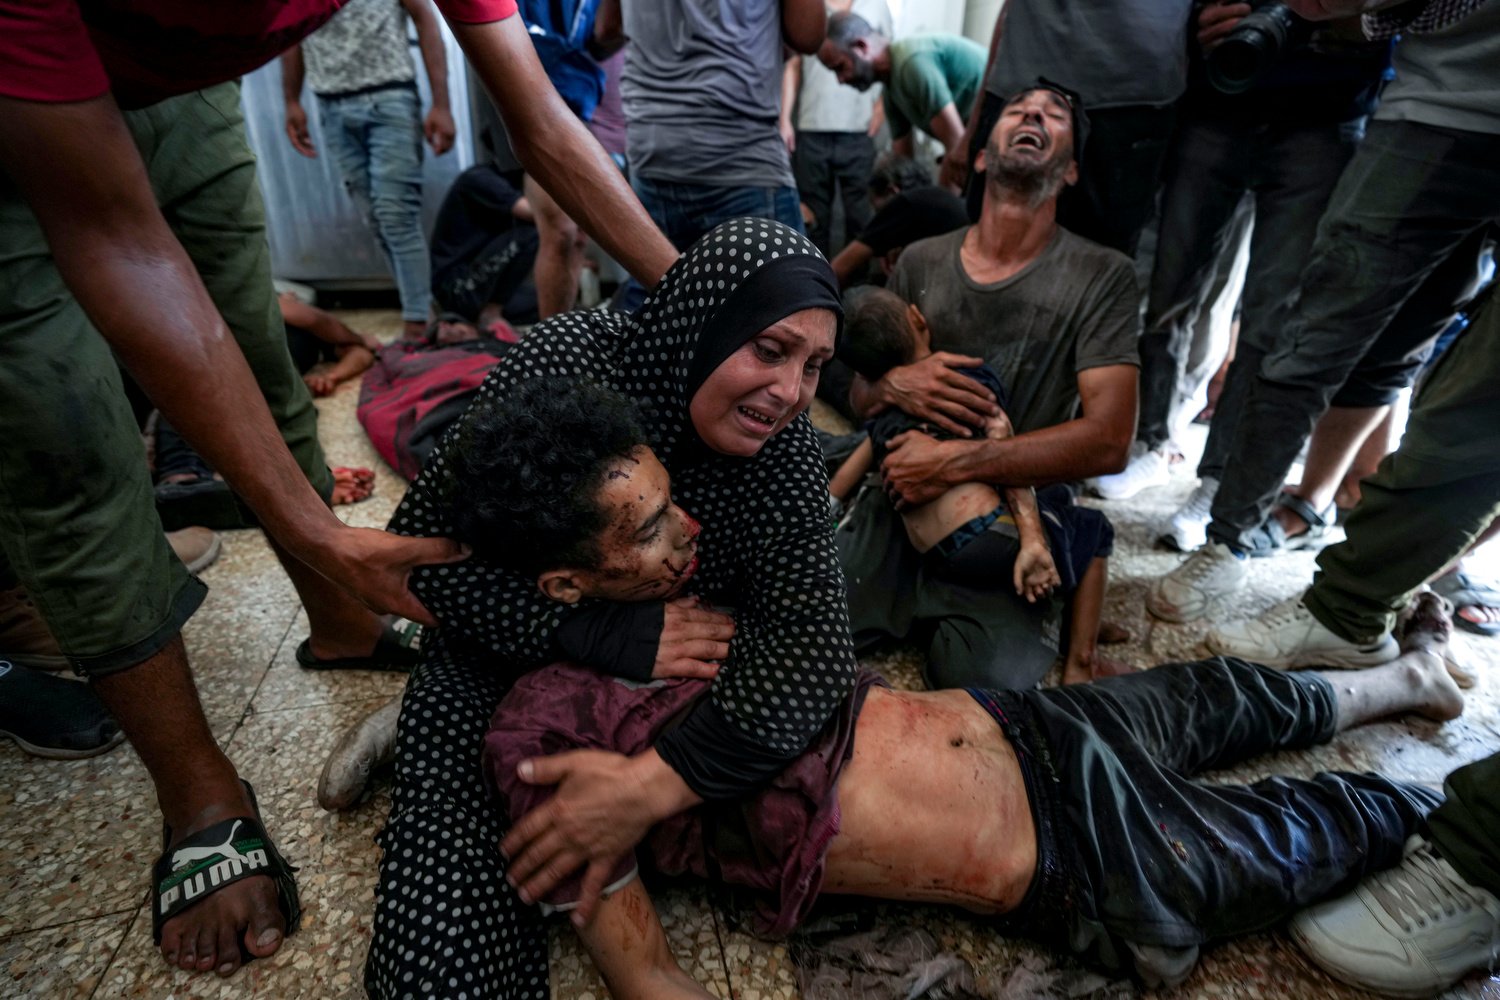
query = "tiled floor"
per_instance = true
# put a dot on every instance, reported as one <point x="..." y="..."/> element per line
<point x="76" y="838"/>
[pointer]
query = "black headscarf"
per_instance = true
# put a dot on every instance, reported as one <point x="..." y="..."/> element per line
<point x="767" y="546"/>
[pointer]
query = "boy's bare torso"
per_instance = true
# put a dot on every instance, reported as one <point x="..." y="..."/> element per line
<point x="934" y="806"/>
<point x="932" y="522"/>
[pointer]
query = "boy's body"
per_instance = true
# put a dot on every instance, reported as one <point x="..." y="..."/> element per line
<point x="1068" y="810"/>
<point x="967" y="526"/>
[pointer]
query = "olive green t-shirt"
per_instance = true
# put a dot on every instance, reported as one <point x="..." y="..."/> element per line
<point x="929" y="72"/>
<point x="1074" y="307"/>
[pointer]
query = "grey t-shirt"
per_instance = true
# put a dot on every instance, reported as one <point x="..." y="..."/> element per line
<point x="702" y="90"/>
<point x="824" y="104"/>
<point x="362" y="46"/>
<point x="1112" y="53"/>
<point x="1075" y="307"/>
<point x="1449" y="78"/>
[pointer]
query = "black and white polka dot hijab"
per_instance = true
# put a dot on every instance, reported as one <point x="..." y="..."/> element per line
<point x="767" y="545"/>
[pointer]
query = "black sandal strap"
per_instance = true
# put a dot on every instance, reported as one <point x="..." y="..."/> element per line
<point x="215" y="857"/>
<point x="1302" y="509"/>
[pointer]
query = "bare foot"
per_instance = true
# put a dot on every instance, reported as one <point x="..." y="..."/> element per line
<point x="1113" y="633"/>
<point x="209" y="934"/>
<point x="414" y="329"/>
<point x="1427" y="625"/>
<point x="1082" y="671"/>
<point x="352" y="485"/>
<point x="1423" y="630"/>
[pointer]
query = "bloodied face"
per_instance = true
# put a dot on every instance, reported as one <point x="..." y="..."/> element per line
<point x="648" y="547"/>
<point x="764" y="385"/>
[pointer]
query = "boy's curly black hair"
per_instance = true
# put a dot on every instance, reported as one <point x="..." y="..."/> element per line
<point x="877" y="332"/>
<point x="527" y="472"/>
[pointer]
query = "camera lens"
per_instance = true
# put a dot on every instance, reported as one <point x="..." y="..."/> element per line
<point x="1255" y="45"/>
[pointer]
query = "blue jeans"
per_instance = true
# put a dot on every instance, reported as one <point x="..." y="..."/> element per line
<point x="685" y="212"/>
<point x="375" y="137"/>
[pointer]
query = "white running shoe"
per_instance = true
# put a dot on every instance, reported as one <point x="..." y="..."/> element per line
<point x="1199" y="585"/>
<point x="1288" y="637"/>
<point x="1409" y="931"/>
<point x="1146" y="468"/>
<point x="1188" y="530"/>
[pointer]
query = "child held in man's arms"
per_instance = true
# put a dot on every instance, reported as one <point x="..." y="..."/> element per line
<point x="1046" y="807"/>
<point x="1045" y="540"/>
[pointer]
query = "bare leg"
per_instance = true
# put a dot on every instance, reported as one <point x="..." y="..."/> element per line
<point x="1380" y="443"/>
<point x="196" y="787"/>
<point x="1084" y="661"/>
<point x="340" y="625"/>
<point x="627" y="943"/>
<point x="1416" y="681"/>
<point x="1335" y="440"/>
<point x="559" y="254"/>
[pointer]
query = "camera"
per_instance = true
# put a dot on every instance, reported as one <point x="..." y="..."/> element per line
<point x="1256" y="44"/>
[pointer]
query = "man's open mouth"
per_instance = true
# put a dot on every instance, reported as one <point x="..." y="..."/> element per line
<point x="1029" y="138"/>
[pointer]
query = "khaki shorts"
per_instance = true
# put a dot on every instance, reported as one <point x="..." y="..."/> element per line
<point x="78" y="524"/>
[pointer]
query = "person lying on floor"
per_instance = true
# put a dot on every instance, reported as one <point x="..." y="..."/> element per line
<point x="1077" y="801"/>
<point x="967" y="534"/>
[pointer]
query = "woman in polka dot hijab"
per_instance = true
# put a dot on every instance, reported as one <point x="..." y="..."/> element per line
<point x="747" y="465"/>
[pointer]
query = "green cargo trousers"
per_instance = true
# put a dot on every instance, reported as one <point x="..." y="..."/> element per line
<point x="1466" y="828"/>
<point x="1429" y="500"/>
<point x="78" y="523"/>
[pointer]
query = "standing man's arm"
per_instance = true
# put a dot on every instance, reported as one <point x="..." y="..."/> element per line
<point x="559" y="152"/>
<point x="804" y="23"/>
<point x="82" y="176"/>
<point x="791" y="82"/>
<point x="1097" y="442"/>
<point x="438" y="125"/>
<point x="956" y="174"/>
<point x="609" y="30"/>
<point x="291" y="93"/>
<point x="948" y="128"/>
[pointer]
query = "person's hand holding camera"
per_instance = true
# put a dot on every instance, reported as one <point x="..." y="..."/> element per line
<point x="1216" y="20"/>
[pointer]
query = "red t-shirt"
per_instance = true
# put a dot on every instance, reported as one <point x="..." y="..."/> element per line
<point x="148" y="50"/>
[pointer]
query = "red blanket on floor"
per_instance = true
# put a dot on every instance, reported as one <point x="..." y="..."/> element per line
<point x="415" y="390"/>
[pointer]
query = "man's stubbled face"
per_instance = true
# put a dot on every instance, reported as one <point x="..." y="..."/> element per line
<point x="1030" y="149"/>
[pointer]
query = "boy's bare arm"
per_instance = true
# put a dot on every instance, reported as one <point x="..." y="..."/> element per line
<point x="849" y="475"/>
<point x="627" y="943"/>
<point x="1036" y="572"/>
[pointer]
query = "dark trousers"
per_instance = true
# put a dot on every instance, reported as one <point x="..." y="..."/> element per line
<point x="1117" y="179"/>
<point x="1466" y="827"/>
<point x="491" y="276"/>
<point x="1132" y="852"/>
<point x="1291" y="172"/>
<point x="1411" y="198"/>
<point x="1429" y="501"/>
<point x="828" y="164"/>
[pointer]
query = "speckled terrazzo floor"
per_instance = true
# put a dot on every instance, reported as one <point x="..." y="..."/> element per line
<point x="76" y="838"/>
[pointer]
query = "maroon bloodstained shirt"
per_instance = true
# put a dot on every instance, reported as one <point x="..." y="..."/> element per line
<point x="147" y="50"/>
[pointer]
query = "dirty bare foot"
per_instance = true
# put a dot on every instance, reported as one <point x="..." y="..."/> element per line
<point x="352" y="485"/>
<point x="210" y="934"/>
<point x="1113" y="633"/>
<point x="1427" y="624"/>
<point x="1084" y="669"/>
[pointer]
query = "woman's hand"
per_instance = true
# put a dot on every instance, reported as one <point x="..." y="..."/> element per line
<point x="604" y="805"/>
<point x="694" y="640"/>
<point x="1036" y="572"/>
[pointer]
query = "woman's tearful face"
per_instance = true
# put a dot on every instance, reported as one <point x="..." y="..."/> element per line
<point x="762" y="386"/>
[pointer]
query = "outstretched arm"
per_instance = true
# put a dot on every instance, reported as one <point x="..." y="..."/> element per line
<point x="438" y="125"/>
<point x="79" y="171"/>
<point x="556" y="149"/>
<point x="1035" y="571"/>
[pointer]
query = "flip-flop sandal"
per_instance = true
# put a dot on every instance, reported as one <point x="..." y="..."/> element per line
<point x="396" y="651"/>
<point x="220" y="855"/>
<point x="204" y="502"/>
<point x="1465" y="592"/>
<point x="1318" y="523"/>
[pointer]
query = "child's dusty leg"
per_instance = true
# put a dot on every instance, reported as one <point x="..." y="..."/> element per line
<point x="1084" y="662"/>
<point x="627" y="943"/>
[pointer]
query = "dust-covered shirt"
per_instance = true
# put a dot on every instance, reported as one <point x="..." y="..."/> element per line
<point x="1074" y="307"/>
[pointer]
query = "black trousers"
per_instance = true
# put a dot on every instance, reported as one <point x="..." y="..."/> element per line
<point x="829" y="165"/>
<point x="1138" y="863"/>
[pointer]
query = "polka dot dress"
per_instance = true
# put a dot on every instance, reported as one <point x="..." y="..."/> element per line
<point x="446" y="922"/>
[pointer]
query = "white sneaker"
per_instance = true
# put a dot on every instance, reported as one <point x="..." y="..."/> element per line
<point x="1409" y="931"/>
<point x="1288" y="637"/>
<point x="1199" y="585"/>
<point x="1188" y="530"/>
<point x="1146" y="468"/>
